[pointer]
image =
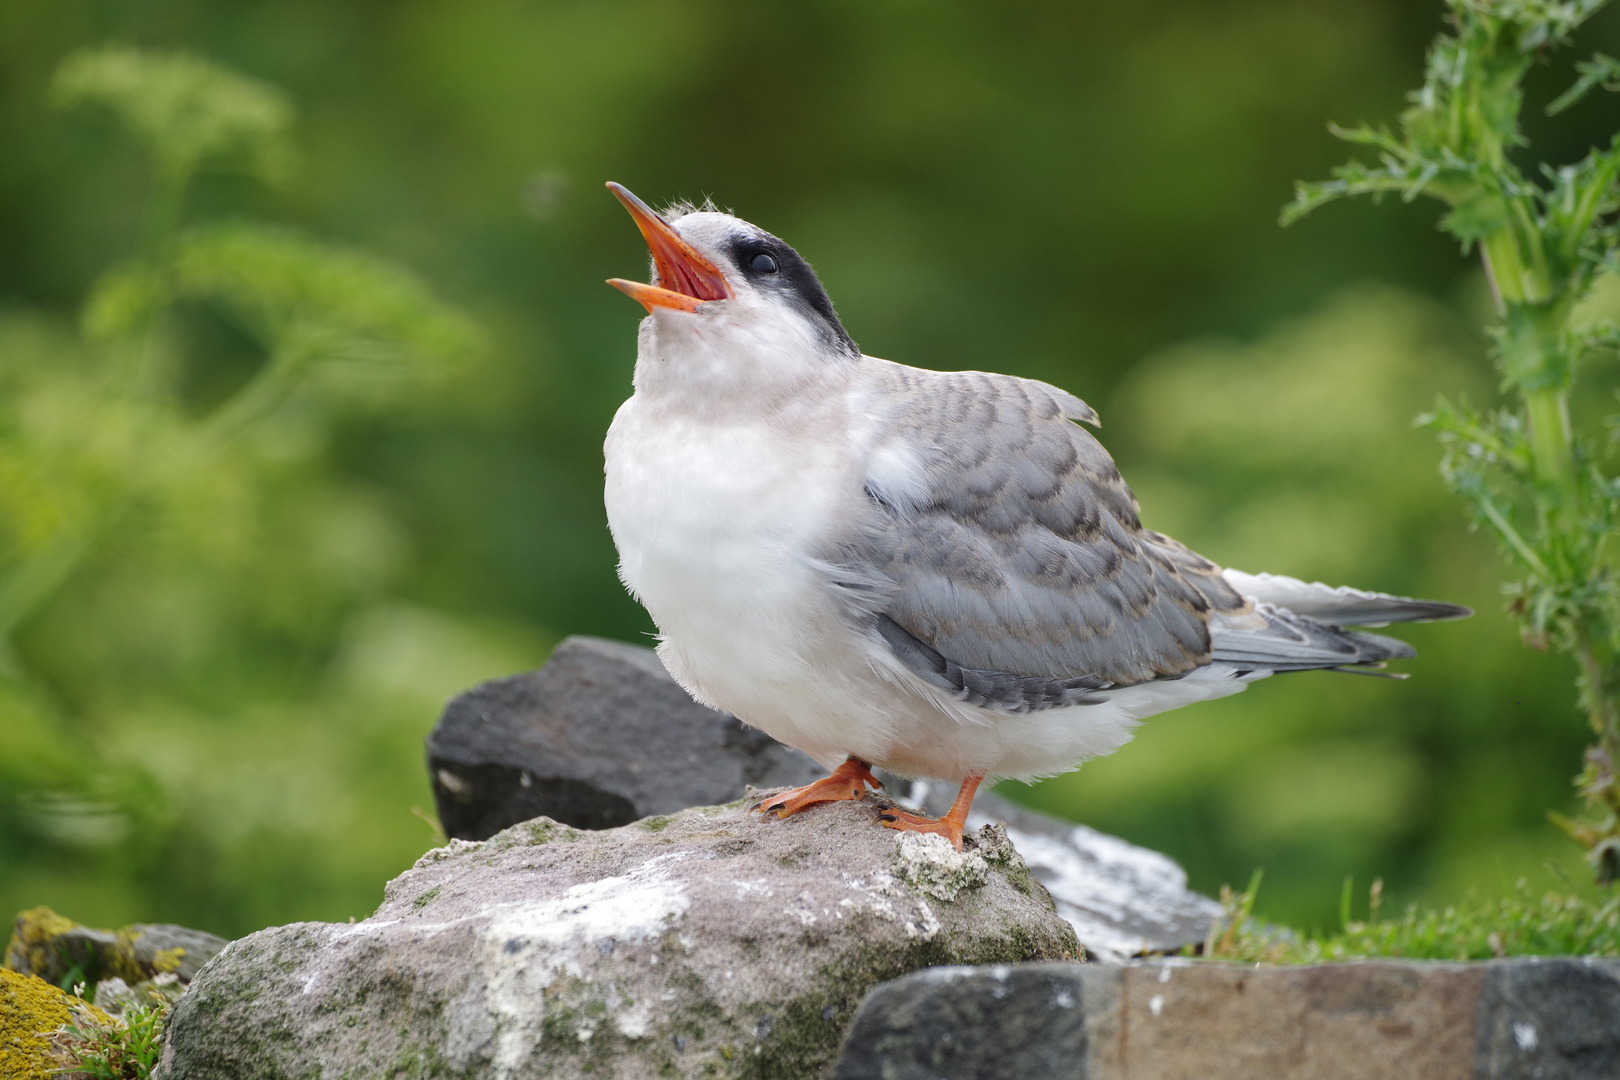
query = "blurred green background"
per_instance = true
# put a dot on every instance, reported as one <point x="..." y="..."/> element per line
<point x="223" y="655"/>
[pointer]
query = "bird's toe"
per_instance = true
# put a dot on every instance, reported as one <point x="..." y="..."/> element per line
<point x="947" y="826"/>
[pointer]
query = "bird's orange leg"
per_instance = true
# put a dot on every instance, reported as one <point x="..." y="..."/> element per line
<point x="950" y="826"/>
<point x="848" y="781"/>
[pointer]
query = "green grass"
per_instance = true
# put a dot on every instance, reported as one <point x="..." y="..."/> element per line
<point x="1523" y="924"/>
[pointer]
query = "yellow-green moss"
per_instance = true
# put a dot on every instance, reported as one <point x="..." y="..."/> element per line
<point x="36" y="947"/>
<point x="30" y="1008"/>
<point x="37" y="930"/>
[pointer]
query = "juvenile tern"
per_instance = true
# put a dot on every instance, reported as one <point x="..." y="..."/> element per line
<point x="939" y="573"/>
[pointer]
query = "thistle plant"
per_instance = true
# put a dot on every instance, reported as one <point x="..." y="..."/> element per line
<point x="1545" y="234"/>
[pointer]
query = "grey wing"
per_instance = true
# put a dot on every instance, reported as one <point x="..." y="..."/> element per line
<point x="1015" y="568"/>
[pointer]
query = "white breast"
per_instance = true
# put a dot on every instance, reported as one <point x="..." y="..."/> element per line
<point x="718" y="526"/>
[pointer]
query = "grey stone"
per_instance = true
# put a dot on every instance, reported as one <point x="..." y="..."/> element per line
<point x="1122" y="900"/>
<point x="965" y="1023"/>
<point x="1557" y="1019"/>
<point x="145" y="941"/>
<point x="714" y="942"/>
<point x="597" y="738"/>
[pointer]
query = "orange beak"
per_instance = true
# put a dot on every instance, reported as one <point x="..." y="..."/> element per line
<point x="685" y="278"/>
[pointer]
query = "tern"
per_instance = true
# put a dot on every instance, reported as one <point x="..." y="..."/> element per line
<point x="939" y="573"/>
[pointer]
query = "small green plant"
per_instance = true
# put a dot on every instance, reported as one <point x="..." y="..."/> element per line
<point x="1545" y="235"/>
<point x="1554" y="924"/>
<point x="123" y="1047"/>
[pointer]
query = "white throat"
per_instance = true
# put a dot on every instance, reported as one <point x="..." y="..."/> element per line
<point x="731" y="356"/>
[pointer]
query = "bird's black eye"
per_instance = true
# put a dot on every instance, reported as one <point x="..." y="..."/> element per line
<point x="763" y="263"/>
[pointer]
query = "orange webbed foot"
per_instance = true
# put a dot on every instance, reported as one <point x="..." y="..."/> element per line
<point x="950" y="826"/>
<point x="908" y="822"/>
<point x="848" y="781"/>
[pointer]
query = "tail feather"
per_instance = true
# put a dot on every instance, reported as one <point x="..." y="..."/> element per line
<point x="1288" y="641"/>
<point x="1342" y="606"/>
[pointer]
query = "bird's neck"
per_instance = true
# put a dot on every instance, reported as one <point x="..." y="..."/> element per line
<point x="726" y="369"/>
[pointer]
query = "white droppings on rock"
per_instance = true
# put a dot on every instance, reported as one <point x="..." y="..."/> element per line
<point x="754" y="887"/>
<point x="1524" y="1036"/>
<point x="527" y="945"/>
<point x="929" y="864"/>
<point x="878" y="896"/>
<point x="633" y="1021"/>
<point x="804" y="909"/>
<point x="1156" y="1004"/>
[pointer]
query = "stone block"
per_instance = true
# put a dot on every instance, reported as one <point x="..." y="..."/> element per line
<point x="1555" y="1019"/>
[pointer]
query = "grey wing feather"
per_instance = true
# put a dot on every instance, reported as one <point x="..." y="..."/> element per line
<point x="1013" y="553"/>
<point x="993" y="689"/>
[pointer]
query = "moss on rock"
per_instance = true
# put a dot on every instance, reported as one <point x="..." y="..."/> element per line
<point x="59" y="950"/>
<point x="31" y="1008"/>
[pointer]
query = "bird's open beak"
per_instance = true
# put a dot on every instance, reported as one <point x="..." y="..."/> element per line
<point x="687" y="278"/>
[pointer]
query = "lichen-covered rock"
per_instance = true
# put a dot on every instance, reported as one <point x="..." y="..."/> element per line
<point x="710" y="943"/>
<point x="929" y="864"/>
<point x="31" y="1008"/>
<point x="55" y="948"/>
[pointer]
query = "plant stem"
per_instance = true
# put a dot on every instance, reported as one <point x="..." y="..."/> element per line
<point x="1504" y="268"/>
<point x="1598" y="679"/>
<point x="1553" y="445"/>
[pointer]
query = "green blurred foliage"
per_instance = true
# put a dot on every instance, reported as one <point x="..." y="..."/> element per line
<point x="217" y="714"/>
<point x="208" y="676"/>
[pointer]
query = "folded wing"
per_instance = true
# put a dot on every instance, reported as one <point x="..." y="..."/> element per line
<point x="1003" y="560"/>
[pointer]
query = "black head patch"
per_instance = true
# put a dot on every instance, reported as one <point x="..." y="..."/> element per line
<point x="771" y="265"/>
